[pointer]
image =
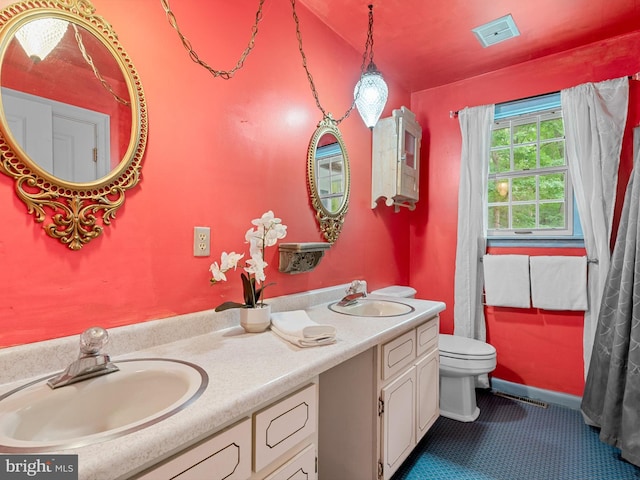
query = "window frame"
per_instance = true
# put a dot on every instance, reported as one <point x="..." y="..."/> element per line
<point x="521" y="112"/>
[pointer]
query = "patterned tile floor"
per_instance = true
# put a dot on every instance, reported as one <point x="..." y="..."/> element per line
<point x="513" y="440"/>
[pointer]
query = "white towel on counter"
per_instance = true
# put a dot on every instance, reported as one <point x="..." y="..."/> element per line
<point x="559" y="283"/>
<point x="296" y="327"/>
<point x="506" y="280"/>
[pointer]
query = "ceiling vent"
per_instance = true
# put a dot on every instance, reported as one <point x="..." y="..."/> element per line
<point x="496" y="31"/>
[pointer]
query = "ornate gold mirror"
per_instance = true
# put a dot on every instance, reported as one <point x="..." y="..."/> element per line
<point x="73" y="119"/>
<point x="328" y="177"/>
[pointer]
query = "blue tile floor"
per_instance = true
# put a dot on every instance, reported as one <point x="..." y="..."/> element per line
<point x="513" y="440"/>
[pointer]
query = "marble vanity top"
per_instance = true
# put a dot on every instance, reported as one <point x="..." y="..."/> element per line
<point x="245" y="371"/>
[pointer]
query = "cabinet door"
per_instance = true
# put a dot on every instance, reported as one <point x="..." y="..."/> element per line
<point x="300" y="467"/>
<point x="409" y="134"/>
<point x="427" y="394"/>
<point x="398" y="421"/>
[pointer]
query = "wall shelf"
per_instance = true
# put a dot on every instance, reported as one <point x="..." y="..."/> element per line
<point x="301" y="257"/>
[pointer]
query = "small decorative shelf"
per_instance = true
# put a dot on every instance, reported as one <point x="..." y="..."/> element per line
<point x="301" y="257"/>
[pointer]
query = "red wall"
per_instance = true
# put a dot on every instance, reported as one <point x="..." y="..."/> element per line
<point x="219" y="154"/>
<point x="536" y="348"/>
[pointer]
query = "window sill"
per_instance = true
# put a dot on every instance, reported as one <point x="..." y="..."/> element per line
<point x="546" y="242"/>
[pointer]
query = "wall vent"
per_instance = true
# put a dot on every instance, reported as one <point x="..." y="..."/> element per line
<point x="496" y="31"/>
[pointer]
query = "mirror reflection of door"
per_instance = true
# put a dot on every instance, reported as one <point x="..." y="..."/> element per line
<point x="330" y="174"/>
<point x="69" y="142"/>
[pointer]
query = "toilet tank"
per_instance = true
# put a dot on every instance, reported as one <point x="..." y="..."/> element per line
<point x="397" y="291"/>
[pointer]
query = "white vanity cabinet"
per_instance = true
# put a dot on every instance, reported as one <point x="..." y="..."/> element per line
<point x="375" y="407"/>
<point x="277" y="441"/>
<point x="395" y="170"/>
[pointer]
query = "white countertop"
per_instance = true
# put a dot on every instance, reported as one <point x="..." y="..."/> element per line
<point x="245" y="371"/>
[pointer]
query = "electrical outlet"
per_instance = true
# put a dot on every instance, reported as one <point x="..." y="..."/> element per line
<point x="201" y="241"/>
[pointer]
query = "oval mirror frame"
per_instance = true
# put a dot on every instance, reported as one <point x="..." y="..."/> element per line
<point x="73" y="213"/>
<point x="330" y="220"/>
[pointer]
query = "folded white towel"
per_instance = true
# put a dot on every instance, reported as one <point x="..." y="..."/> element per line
<point x="296" y="327"/>
<point x="506" y="280"/>
<point x="559" y="283"/>
<point x="303" y="342"/>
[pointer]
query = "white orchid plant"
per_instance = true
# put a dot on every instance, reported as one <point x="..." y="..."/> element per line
<point x="267" y="230"/>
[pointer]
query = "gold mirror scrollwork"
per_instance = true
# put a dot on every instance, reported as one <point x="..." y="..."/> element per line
<point x="75" y="211"/>
<point x="328" y="178"/>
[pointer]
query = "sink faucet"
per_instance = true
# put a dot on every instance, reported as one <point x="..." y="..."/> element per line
<point x="356" y="290"/>
<point x="90" y="363"/>
<point x="351" y="299"/>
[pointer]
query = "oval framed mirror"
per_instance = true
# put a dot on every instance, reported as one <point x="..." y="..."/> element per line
<point x="73" y="118"/>
<point x="328" y="178"/>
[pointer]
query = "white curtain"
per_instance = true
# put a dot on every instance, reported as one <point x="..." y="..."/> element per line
<point x="594" y="119"/>
<point x="468" y="311"/>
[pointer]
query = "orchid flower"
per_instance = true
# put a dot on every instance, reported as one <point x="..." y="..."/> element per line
<point x="218" y="275"/>
<point x="227" y="262"/>
<point x="266" y="220"/>
<point x="256" y="266"/>
<point x="267" y="230"/>
<point x="230" y="260"/>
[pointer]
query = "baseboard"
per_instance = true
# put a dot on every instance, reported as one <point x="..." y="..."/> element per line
<point x="548" y="396"/>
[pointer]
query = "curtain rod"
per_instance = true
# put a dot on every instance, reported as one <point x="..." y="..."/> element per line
<point x="454" y="113"/>
<point x="589" y="260"/>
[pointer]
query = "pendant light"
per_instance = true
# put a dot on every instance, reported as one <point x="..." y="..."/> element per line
<point x="39" y="37"/>
<point x="371" y="91"/>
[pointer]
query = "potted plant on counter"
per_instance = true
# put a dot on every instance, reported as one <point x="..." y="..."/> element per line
<point x="254" y="313"/>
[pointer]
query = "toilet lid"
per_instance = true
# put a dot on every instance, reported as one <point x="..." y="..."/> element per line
<point x="455" y="346"/>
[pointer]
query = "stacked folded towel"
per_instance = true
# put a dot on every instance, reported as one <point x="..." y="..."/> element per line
<point x="296" y="327"/>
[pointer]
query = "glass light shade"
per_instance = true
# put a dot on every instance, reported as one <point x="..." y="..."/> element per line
<point x="372" y="96"/>
<point x="39" y="37"/>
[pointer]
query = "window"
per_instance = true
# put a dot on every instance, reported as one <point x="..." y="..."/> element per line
<point x="529" y="188"/>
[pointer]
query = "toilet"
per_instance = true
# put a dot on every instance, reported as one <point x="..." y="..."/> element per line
<point x="461" y="360"/>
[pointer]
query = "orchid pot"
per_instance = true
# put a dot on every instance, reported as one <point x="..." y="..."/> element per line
<point x="255" y="320"/>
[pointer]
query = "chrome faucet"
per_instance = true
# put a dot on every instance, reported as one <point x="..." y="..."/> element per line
<point x="351" y="299"/>
<point x="90" y="363"/>
<point x="355" y="291"/>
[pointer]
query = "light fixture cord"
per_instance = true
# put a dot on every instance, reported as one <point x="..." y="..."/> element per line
<point x="368" y="54"/>
<point x="224" y="74"/>
<point x="368" y="48"/>
<point x="96" y="72"/>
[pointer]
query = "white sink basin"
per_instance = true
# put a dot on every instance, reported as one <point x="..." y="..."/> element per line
<point x="368" y="307"/>
<point x="35" y="417"/>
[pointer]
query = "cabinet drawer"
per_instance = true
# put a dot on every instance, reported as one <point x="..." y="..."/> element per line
<point x="227" y="455"/>
<point x="427" y="336"/>
<point x="398" y="353"/>
<point x="300" y="467"/>
<point x="284" y="424"/>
